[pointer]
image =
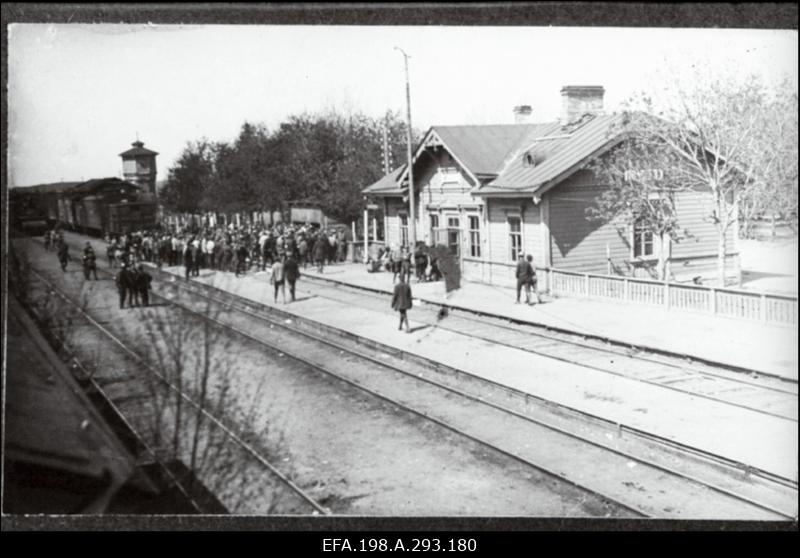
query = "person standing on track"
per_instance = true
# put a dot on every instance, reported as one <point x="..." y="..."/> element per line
<point x="133" y="285"/>
<point x="89" y="262"/>
<point x="63" y="254"/>
<point x="143" y="281"/>
<point x="122" y="281"/>
<point x="401" y="301"/>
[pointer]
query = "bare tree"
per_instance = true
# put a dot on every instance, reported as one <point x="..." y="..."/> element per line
<point x="712" y="130"/>
<point x="641" y="187"/>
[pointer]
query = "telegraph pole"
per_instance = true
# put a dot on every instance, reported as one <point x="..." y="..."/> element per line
<point x="412" y="225"/>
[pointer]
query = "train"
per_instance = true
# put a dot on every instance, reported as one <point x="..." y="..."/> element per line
<point x="98" y="206"/>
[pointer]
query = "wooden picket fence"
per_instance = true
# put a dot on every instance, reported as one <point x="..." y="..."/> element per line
<point x="733" y="303"/>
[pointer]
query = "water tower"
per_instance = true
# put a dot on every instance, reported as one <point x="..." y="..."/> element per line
<point x="139" y="167"/>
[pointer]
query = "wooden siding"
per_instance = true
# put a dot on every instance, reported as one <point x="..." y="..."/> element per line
<point x="578" y="243"/>
<point x="499" y="241"/>
<point x="394" y="207"/>
<point x="444" y="191"/>
<point x="698" y="233"/>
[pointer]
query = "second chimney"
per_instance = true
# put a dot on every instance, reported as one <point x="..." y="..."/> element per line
<point x="522" y="114"/>
<point x="577" y="100"/>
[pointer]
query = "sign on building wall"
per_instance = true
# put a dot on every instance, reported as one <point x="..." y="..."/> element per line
<point x="644" y="174"/>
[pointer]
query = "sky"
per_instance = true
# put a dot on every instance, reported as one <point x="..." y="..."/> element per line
<point x="79" y="95"/>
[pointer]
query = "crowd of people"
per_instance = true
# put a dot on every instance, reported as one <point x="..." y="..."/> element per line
<point x="234" y="249"/>
<point x="400" y="262"/>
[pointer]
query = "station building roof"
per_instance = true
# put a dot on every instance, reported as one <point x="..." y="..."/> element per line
<point x="511" y="159"/>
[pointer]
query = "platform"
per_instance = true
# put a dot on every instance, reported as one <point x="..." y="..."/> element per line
<point x="738" y="434"/>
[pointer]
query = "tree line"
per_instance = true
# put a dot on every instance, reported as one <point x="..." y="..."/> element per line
<point x="326" y="158"/>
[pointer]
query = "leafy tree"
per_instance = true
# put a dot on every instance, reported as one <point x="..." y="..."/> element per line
<point x="326" y="159"/>
<point x="189" y="178"/>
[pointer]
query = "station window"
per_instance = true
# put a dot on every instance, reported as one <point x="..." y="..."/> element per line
<point x="474" y="236"/>
<point x="434" y="228"/>
<point x="515" y="237"/>
<point x="453" y="235"/>
<point x="403" y="230"/>
<point x="642" y="240"/>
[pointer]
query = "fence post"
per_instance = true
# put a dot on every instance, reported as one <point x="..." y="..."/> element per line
<point x="712" y="292"/>
<point x="586" y="283"/>
<point x="763" y="308"/>
<point x="548" y="280"/>
<point x="666" y="294"/>
<point x="625" y="289"/>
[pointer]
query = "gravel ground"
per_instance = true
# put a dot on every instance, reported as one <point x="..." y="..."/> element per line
<point x="355" y="454"/>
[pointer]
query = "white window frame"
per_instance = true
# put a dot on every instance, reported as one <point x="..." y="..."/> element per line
<point x="448" y="228"/>
<point x="509" y="246"/>
<point x="635" y="242"/>
<point x="433" y="230"/>
<point x="403" y="229"/>
<point x="474" y="246"/>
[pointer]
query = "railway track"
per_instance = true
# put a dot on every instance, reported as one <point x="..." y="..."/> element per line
<point x="545" y="432"/>
<point x="730" y="488"/>
<point x="764" y="394"/>
<point x="769" y="396"/>
<point x="135" y="366"/>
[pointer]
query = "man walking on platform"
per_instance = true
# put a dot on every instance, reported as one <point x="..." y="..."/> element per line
<point x="401" y="301"/>
<point x="526" y="276"/>
<point x="292" y="272"/>
<point x="277" y="278"/>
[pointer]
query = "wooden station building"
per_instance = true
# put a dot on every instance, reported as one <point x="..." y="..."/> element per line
<point x="495" y="192"/>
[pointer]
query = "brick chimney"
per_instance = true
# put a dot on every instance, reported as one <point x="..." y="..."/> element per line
<point x="522" y="114"/>
<point x="577" y="100"/>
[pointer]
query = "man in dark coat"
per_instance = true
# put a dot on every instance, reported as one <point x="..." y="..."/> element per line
<point x="241" y="259"/>
<point x="89" y="262"/>
<point x="401" y="301"/>
<point x="123" y="281"/>
<point x="63" y="254"/>
<point x="292" y="272"/>
<point x="143" y="280"/>
<point x="526" y="275"/>
<point x="188" y="259"/>
<point x="320" y="251"/>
